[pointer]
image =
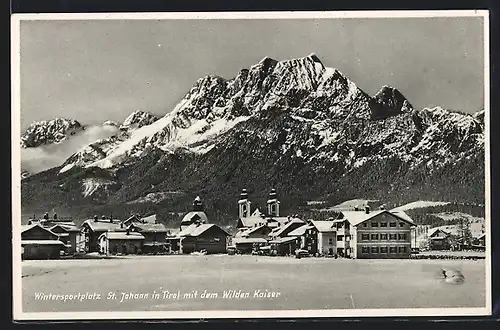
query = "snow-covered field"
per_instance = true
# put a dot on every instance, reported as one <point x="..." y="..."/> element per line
<point x="419" y="205"/>
<point x="308" y="283"/>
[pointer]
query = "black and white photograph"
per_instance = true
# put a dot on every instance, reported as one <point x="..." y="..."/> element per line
<point x="250" y="165"/>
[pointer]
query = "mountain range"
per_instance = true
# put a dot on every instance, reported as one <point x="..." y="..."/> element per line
<point x="295" y="125"/>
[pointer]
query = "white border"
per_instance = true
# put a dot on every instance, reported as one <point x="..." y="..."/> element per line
<point x="16" y="170"/>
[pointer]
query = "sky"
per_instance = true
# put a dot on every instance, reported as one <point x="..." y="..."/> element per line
<point x="98" y="70"/>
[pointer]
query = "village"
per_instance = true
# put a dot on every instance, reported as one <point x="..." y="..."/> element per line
<point x="356" y="233"/>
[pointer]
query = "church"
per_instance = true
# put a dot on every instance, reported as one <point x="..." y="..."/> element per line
<point x="258" y="229"/>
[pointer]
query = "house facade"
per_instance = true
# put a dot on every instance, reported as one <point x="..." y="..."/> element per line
<point x="380" y="234"/>
<point x="92" y="229"/>
<point x="68" y="234"/>
<point x="208" y="237"/>
<point x="128" y="242"/>
<point x="38" y="242"/>
<point x="248" y="240"/>
<point x="439" y="240"/>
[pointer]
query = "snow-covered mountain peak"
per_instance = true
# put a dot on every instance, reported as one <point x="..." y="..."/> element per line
<point x="110" y="123"/>
<point x="138" y="119"/>
<point x="49" y="131"/>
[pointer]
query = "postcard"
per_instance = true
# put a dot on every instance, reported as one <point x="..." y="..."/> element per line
<point x="250" y="165"/>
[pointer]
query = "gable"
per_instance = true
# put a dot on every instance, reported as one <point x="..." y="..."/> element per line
<point x="58" y="230"/>
<point x="38" y="233"/>
<point x="214" y="231"/>
<point x="387" y="217"/>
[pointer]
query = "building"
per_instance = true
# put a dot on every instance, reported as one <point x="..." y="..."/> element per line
<point x="439" y="240"/>
<point x="92" y="229"/>
<point x="317" y="237"/>
<point x="203" y="237"/>
<point x="69" y="234"/>
<point x="283" y="229"/>
<point x="482" y="239"/>
<point x="119" y="242"/>
<point x="38" y="242"/>
<point x="375" y="234"/>
<point x="250" y="239"/>
<point x="196" y="215"/>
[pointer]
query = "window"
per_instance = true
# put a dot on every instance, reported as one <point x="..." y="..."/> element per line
<point x="365" y="249"/>
<point x="374" y="249"/>
<point x="402" y="236"/>
<point x="374" y="224"/>
<point x="365" y="224"/>
<point x="383" y="237"/>
<point x="383" y="224"/>
<point x="365" y="237"/>
<point x="392" y="224"/>
<point x="330" y="241"/>
<point x="393" y="236"/>
<point x="340" y="238"/>
<point x="402" y="249"/>
<point x="374" y="237"/>
<point x="392" y="249"/>
<point x="216" y="239"/>
<point x="401" y="224"/>
<point x="383" y="249"/>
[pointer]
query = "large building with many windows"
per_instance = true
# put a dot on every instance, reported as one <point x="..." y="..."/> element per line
<point x="380" y="234"/>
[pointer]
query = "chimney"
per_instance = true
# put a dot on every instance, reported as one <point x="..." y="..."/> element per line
<point x="95" y="218"/>
<point x="55" y="216"/>
<point x="103" y="217"/>
<point x="382" y="207"/>
<point x="367" y="209"/>
<point x="121" y="224"/>
<point x="128" y="230"/>
<point x="111" y="218"/>
<point x="46" y="216"/>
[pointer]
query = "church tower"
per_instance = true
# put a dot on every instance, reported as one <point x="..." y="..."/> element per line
<point x="197" y="204"/>
<point x="244" y="205"/>
<point x="273" y="204"/>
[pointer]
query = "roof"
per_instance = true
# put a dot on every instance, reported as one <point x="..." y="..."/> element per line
<point x="69" y="228"/>
<point x="152" y="227"/>
<point x="102" y="225"/>
<point x="25" y="228"/>
<point x="196" y="230"/>
<point x="283" y="240"/>
<point x="193" y="216"/>
<point x="402" y="215"/>
<point x="249" y="231"/>
<point x="257" y="213"/>
<point x="122" y="235"/>
<point x="436" y="230"/>
<point x="243" y="240"/>
<point x="278" y="231"/>
<point x="299" y="231"/>
<point x="357" y="217"/>
<point x="482" y="235"/>
<point x="324" y="226"/>
<point x="150" y="219"/>
<point x="41" y="242"/>
<point x="253" y="220"/>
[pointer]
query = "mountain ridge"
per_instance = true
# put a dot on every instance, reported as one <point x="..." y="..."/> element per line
<point x="295" y="125"/>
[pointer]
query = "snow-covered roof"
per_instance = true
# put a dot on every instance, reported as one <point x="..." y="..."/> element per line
<point x="198" y="229"/>
<point x="41" y="242"/>
<point x="357" y="217"/>
<point x="324" y="226"/>
<point x="248" y="240"/>
<point x="279" y="230"/>
<point x="299" y="231"/>
<point x="195" y="216"/>
<point x="119" y="235"/>
<point x="102" y="225"/>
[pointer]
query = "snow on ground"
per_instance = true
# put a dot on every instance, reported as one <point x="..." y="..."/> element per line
<point x="419" y="205"/>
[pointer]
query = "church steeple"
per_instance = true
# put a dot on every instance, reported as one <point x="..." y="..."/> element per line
<point x="197" y="204"/>
<point x="244" y="205"/>
<point x="273" y="204"/>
